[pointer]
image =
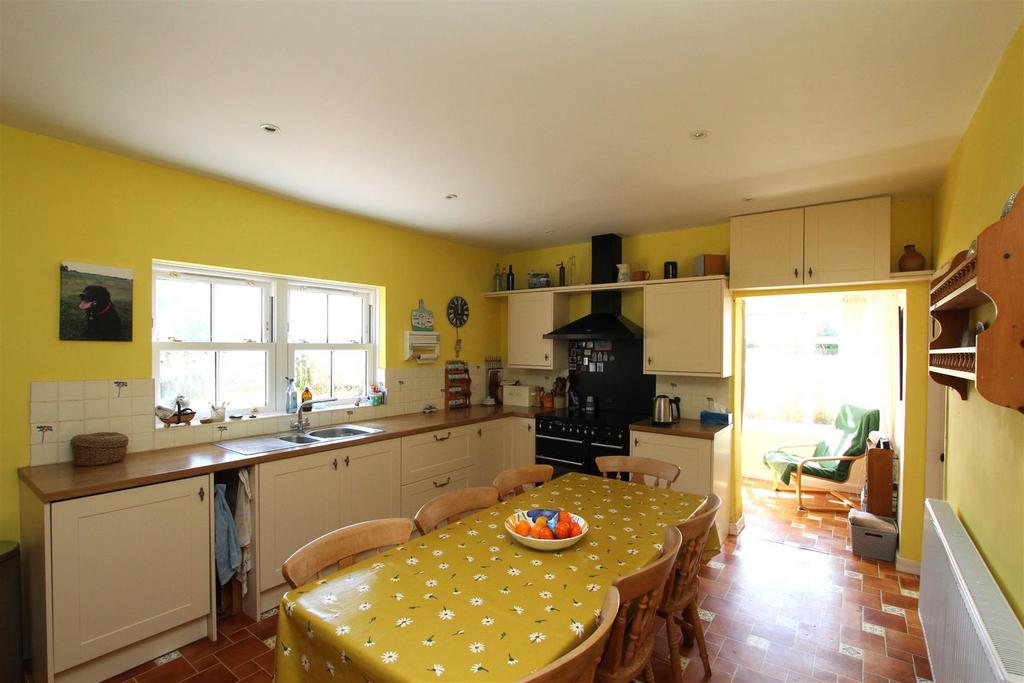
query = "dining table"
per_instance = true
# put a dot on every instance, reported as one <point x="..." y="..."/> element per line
<point x="468" y="602"/>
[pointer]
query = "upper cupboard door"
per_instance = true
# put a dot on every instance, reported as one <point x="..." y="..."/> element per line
<point x="847" y="241"/>
<point x="530" y="317"/>
<point x="128" y="565"/>
<point x="767" y="249"/>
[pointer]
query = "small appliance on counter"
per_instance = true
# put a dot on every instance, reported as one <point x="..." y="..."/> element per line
<point x="715" y="414"/>
<point x="666" y="410"/>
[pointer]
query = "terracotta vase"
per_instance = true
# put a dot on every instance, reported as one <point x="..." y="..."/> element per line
<point x="911" y="259"/>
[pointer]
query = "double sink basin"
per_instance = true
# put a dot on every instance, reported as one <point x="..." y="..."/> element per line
<point x="278" y="442"/>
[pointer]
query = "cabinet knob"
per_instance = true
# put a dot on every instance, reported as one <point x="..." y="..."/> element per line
<point x="545" y="356"/>
<point x="796" y="272"/>
<point x="443" y="438"/>
<point x="202" y="493"/>
<point x="334" y="463"/>
<point x="810" y="272"/>
<point x="442" y="484"/>
<point x="650" y="360"/>
<point x="529" y="428"/>
<point x="636" y="443"/>
<point x="479" y="432"/>
<point x="346" y="461"/>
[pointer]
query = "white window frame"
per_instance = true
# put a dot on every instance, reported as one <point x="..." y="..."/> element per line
<point x="280" y="354"/>
<point x="288" y="349"/>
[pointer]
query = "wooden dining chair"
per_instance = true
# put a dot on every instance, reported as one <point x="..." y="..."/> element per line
<point x="511" y="482"/>
<point x="679" y="603"/>
<point x="450" y="507"/>
<point x="638" y="468"/>
<point x="579" y="664"/>
<point x="339" y="548"/>
<point x="632" y="640"/>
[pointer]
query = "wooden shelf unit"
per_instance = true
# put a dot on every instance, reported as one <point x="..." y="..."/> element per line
<point x="994" y="274"/>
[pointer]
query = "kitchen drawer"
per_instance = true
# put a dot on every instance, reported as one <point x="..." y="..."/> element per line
<point x="416" y="494"/>
<point x="435" y="454"/>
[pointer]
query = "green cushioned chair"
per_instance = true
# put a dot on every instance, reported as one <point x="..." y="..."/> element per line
<point x="832" y="459"/>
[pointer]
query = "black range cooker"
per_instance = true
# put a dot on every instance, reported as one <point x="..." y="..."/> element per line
<point x="570" y="440"/>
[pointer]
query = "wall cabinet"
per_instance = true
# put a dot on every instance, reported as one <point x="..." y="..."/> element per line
<point x="489" y="450"/>
<point x="705" y="465"/>
<point x="127" y="566"/>
<point x="843" y="242"/>
<point x="530" y="317"/>
<point x="523" y="447"/>
<point x="688" y="328"/>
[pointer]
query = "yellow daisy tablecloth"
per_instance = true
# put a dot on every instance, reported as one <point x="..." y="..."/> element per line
<point x="467" y="602"/>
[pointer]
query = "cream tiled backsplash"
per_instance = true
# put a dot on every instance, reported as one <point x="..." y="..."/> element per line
<point x="59" y="411"/>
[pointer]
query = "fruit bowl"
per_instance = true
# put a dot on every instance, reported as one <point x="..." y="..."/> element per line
<point x="542" y="543"/>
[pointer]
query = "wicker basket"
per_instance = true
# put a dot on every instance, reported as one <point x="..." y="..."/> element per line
<point x="101" y="448"/>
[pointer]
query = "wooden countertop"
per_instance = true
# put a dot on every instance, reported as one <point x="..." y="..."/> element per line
<point x="695" y="429"/>
<point x="62" y="481"/>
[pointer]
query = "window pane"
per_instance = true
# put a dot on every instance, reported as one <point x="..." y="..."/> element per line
<point x="345" y="319"/>
<point x="237" y="313"/>
<point x="243" y="379"/>
<point x="349" y="373"/>
<point x="182" y="311"/>
<point x="313" y="369"/>
<point x="190" y="373"/>
<point x="307" y="317"/>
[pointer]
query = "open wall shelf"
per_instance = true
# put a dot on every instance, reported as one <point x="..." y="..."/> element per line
<point x="995" y="274"/>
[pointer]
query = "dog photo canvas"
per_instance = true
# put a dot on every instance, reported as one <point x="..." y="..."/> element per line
<point x="95" y="302"/>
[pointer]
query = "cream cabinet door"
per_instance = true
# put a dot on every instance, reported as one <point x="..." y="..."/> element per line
<point x="691" y="456"/>
<point x="298" y="499"/>
<point x="371" y="476"/>
<point x="416" y="494"/>
<point x="847" y="241"/>
<point x="128" y="565"/>
<point x="523" y="449"/>
<point x="767" y="249"/>
<point x="530" y="316"/>
<point x="688" y="328"/>
<point x="434" y="453"/>
<point x="488" y="448"/>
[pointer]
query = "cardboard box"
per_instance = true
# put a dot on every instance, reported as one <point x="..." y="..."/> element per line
<point x="710" y="264"/>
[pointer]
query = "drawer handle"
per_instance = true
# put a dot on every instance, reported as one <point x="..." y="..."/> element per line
<point x="442" y="484"/>
<point x="334" y="463"/>
<point x="443" y="438"/>
<point x="202" y="493"/>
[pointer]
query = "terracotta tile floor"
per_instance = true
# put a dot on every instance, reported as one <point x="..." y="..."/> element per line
<point x="786" y="601"/>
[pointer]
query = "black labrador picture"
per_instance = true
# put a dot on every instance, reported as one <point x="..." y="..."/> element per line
<point x="96" y="303"/>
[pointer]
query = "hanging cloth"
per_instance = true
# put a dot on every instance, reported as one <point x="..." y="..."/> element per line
<point x="226" y="548"/>
<point x="243" y="526"/>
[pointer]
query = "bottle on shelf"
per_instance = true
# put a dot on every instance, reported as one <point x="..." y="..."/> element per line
<point x="307" y="395"/>
<point x="499" y="279"/>
<point x="510" y="279"/>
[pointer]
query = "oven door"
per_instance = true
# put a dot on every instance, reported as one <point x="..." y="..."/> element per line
<point x="600" y="448"/>
<point x="563" y="453"/>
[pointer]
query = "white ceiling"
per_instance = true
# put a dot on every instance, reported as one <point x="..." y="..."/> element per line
<point x="558" y="116"/>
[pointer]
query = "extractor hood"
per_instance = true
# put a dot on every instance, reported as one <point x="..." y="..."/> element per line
<point x="605" y="320"/>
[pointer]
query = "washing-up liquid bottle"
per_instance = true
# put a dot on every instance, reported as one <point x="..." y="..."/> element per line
<point x="307" y="395"/>
<point x="291" y="396"/>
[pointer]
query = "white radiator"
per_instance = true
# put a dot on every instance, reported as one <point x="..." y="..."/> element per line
<point x="972" y="634"/>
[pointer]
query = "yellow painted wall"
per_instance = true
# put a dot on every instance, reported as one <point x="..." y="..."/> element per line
<point x="985" y="442"/>
<point x="65" y="201"/>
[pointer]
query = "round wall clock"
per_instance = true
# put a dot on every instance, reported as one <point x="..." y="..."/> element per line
<point x="458" y="311"/>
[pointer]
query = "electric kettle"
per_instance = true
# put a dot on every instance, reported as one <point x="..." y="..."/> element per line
<point x="666" y="410"/>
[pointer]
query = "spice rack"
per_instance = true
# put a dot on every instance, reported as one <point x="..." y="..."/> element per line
<point x="457" y="384"/>
<point x="994" y="274"/>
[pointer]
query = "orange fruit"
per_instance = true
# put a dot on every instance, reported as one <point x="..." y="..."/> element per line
<point x="562" y="530"/>
<point x="523" y="528"/>
<point x="564" y="516"/>
<point x="544" y="532"/>
<point x="575" y="530"/>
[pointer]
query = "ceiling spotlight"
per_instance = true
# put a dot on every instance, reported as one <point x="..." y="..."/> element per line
<point x="269" y="128"/>
<point x="699" y="134"/>
<point x="549" y="232"/>
<point x="451" y="196"/>
<point x="749" y="199"/>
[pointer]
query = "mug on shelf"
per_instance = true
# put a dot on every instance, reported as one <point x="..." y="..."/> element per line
<point x="639" y="275"/>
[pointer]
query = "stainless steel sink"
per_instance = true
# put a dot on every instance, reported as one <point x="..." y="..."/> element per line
<point x="344" y="431"/>
<point x="278" y="442"/>
<point x="296" y="438"/>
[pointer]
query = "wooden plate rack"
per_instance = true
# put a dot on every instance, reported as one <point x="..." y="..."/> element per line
<point x="995" y="274"/>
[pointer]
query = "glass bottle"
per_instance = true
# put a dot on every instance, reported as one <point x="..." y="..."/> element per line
<point x="498" y="279"/>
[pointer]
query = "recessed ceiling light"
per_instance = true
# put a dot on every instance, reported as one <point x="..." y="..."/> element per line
<point x="451" y="196"/>
<point x="270" y="128"/>
<point x="749" y="199"/>
<point x="699" y="134"/>
<point x="549" y="232"/>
